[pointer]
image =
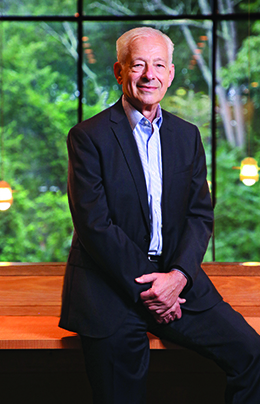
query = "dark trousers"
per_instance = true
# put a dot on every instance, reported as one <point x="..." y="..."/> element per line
<point x="117" y="366"/>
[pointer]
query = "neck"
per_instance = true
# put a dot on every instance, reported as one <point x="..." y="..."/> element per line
<point x="148" y="111"/>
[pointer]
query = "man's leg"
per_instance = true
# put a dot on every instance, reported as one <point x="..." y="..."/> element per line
<point x="223" y="335"/>
<point x="117" y="366"/>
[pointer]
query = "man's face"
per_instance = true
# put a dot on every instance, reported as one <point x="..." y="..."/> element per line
<point x="147" y="73"/>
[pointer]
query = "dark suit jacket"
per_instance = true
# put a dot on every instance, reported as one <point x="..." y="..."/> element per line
<point x="108" y="202"/>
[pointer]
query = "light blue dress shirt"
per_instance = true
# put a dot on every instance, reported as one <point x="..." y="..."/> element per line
<point x="147" y="137"/>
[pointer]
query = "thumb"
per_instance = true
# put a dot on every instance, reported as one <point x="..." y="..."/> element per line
<point x="147" y="278"/>
<point x="181" y="300"/>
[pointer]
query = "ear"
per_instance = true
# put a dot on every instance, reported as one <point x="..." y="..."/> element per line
<point x="171" y="74"/>
<point x="118" y="72"/>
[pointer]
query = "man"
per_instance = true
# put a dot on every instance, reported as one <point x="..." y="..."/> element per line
<point x="142" y="214"/>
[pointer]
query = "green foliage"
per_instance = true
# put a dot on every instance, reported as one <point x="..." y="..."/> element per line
<point x="237" y="214"/>
<point x="39" y="83"/>
<point x="247" y="63"/>
<point x="39" y="106"/>
<point x="191" y="106"/>
<point x="252" y="6"/>
<point x="35" y="230"/>
<point x="195" y="108"/>
<point x="128" y="7"/>
<point x="34" y="7"/>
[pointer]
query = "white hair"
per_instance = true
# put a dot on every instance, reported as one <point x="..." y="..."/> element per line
<point x="124" y="41"/>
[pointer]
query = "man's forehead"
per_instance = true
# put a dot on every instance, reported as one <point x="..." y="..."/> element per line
<point x="159" y="49"/>
<point x="145" y="38"/>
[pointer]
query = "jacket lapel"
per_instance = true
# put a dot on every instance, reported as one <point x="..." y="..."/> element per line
<point x="167" y="152"/>
<point x="169" y="147"/>
<point x="170" y="151"/>
<point x="124" y="135"/>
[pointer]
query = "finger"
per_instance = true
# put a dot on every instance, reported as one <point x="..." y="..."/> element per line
<point x="147" y="278"/>
<point x="168" y="319"/>
<point x="166" y="313"/>
<point x="173" y="313"/>
<point x="161" y="307"/>
<point x="178" y="313"/>
<point x="149" y="295"/>
<point x="181" y="300"/>
<point x="154" y="307"/>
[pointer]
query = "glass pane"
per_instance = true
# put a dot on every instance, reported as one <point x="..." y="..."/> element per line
<point x="40" y="105"/>
<point x="237" y="214"/>
<point x="153" y="7"/>
<point x="188" y="96"/>
<point x="241" y="6"/>
<point x="38" y="7"/>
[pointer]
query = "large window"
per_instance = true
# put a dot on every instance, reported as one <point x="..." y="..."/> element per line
<point x="57" y="68"/>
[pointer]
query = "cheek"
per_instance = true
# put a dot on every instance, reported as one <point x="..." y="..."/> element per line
<point x="133" y="79"/>
<point x="130" y="85"/>
<point x="164" y="84"/>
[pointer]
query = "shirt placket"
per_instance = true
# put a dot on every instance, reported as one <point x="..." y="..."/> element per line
<point x="154" y="184"/>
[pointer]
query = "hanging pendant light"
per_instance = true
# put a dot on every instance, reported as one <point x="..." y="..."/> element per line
<point x="248" y="171"/>
<point x="6" y="195"/>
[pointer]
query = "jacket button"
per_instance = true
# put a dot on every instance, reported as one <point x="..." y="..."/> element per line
<point x="146" y="238"/>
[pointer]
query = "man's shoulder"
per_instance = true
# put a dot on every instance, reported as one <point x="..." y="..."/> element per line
<point x="99" y="120"/>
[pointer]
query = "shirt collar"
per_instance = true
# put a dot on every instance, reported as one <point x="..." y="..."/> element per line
<point x="134" y="117"/>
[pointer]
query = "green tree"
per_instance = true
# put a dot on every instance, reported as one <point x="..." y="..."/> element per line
<point x="39" y="85"/>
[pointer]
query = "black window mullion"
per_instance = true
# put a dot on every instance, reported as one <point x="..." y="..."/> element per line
<point x="213" y="116"/>
<point x="79" y="64"/>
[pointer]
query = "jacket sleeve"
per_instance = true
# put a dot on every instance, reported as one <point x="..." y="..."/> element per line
<point x="198" y="222"/>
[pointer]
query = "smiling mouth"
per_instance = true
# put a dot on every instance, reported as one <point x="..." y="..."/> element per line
<point x="147" y="88"/>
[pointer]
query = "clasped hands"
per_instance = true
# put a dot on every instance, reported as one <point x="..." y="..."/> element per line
<point x="162" y="299"/>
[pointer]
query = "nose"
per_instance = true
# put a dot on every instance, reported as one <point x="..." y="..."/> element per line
<point x="148" y="72"/>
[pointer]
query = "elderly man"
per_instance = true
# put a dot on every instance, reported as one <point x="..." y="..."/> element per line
<point x="143" y="217"/>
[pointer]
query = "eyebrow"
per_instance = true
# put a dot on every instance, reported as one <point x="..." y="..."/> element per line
<point x="143" y="60"/>
<point x="160" y="60"/>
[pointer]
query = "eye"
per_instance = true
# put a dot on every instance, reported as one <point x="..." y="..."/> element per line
<point x="160" y="66"/>
<point x="137" y="66"/>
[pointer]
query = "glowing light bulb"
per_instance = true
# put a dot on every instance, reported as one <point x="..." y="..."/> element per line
<point x="249" y="171"/>
<point x="6" y="195"/>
